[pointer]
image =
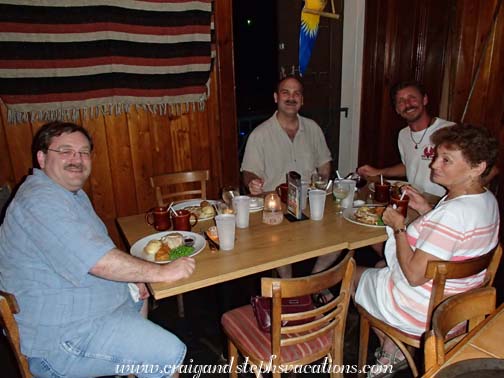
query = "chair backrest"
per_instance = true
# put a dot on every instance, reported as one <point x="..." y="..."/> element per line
<point x="9" y="307"/>
<point x="328" y="318"/>
<point x="440" y="271"/>
<point x="471" y="306"/>
<point x="161" y="182"/>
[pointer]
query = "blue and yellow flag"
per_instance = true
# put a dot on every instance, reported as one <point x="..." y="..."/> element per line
<point x="308" y="32"/>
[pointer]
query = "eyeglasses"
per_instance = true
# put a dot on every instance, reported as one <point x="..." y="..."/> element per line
<point x="69" y="153"/>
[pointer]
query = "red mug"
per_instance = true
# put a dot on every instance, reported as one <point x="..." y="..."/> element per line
<point x="283" y="190"/>
<point x="159" y="218"/>
<point x="182" y="221"/>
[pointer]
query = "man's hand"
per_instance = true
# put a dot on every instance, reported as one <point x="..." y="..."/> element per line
<point x="179" y="269"/>
<point x="119" y="266"/>
<point x="255" y="186"/>
<point x="143" y="292"/>
<point x="398" y="170"/>
<point x="367" y="170"/>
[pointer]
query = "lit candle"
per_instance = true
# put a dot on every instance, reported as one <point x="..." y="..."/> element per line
<point x="271" y="203"/>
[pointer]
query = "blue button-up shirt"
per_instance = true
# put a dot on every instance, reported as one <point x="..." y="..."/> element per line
<point x="50" y="239"/>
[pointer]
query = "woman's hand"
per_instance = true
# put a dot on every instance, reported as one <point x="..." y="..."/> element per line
<point x="416" y="200"/>
<point x="393" y="218"/>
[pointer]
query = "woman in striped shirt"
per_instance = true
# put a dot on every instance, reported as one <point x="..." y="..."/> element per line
<point x="464" y="224"/>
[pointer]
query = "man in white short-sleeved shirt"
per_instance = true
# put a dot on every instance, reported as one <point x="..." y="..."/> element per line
<point x="286" y="142"/>
<point x="416" y="149"/>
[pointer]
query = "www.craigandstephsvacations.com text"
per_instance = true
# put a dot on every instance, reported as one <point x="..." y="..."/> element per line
<point x="198" y="370"/>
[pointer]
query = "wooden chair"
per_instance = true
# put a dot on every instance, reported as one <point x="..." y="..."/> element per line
<point x="9" y="307"/>
<point x="164" y="197"/>
<point x="439" y="272"/>
<point x="471" y="306"/>
<point x="293" y="345"/>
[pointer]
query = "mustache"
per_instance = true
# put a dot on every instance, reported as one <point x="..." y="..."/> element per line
<point x="72" y="165"/>
<point x="291" y="102"/>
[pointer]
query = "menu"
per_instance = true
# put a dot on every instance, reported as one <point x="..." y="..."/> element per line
<point x="294" y="195"/>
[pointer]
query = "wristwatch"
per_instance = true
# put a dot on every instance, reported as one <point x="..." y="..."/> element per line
<point x="399" y="230"/>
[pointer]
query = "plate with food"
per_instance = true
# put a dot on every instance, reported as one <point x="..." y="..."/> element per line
<point x="203" y="209"/>
<point x="395" y="185"/>
<point x="164" y="247"/>
<point x="370" y="216"/>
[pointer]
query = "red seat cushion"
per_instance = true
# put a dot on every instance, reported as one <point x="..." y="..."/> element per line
<point x="241" y="325"/>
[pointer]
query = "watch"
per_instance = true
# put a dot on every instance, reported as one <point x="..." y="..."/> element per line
<point x="399" y="230"/>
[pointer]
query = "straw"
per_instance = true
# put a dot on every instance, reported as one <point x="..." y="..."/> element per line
<point x="170" y="208"/>
<point x="381" y="179"/>
<point x="337" y="174"/>
<point x="328" y="185"/>
<point x="402" y="195"/>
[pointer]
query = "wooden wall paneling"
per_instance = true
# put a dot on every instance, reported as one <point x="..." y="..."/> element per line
<point x="226" y="90"/>
<point x="468" y="35"/>
<point x="436" y="23"/>
<point x="121" y="165"/>
<point x="6" y="169"/>
<point x="19" y="140"/>
<point x="162" y="160"/>
<point x="141" y="156"/>
<point x="481" y="65"/>
<point x="181" y="143"/>
<point x="214" y="139"/>
<point x="402" y="41"/>
<point x="101" y="187"/>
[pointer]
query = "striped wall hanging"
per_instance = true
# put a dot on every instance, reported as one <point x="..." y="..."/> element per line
<point x="63" y="59"/>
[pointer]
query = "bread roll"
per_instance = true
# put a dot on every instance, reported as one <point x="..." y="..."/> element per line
<point x="173" y="240"/>
<point x="152" y="247"/>
<point x="207" y="211"/>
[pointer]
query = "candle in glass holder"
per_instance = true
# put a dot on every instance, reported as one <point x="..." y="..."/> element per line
<point x="272" y="212"/>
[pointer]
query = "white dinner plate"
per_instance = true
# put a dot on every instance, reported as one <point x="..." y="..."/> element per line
<point x="348" y="214"/>
<point x="194" y="202"/>
<point x="256" y="204"/>
<point x="137" y="249"/>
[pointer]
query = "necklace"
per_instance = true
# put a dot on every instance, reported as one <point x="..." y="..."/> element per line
<point x="420" y="141"/>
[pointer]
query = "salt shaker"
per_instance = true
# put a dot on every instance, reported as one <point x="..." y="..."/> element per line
<point x="370" y="198"/>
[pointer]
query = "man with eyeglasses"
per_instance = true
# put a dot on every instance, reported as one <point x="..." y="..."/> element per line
<point x="77" y="317"/>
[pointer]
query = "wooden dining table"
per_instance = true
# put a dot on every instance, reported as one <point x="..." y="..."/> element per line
<point x="260" y="247"/>
<point x="484" y="341"/>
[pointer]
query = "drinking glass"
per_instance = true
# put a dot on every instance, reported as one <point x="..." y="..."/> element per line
<point x="340" y="191"/>
<point x="318" y="181"/>
<point x="228" y="193"/>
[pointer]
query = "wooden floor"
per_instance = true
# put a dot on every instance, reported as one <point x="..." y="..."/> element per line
<point x="201" y="332"/>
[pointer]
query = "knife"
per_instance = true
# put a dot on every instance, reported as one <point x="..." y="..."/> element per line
<point x="212" y="244"/>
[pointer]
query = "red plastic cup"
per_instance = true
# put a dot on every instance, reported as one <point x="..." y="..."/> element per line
<point x="382" y="192"/>
<point x="401" y="204"/>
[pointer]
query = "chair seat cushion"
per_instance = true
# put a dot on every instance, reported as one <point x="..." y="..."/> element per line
<point x="241" y="326"/>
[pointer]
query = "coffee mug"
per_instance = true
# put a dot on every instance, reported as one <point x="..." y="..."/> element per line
<point x="159" y="218"/>
<point x="283" y="190"/>
<point x="182" y="221"/>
